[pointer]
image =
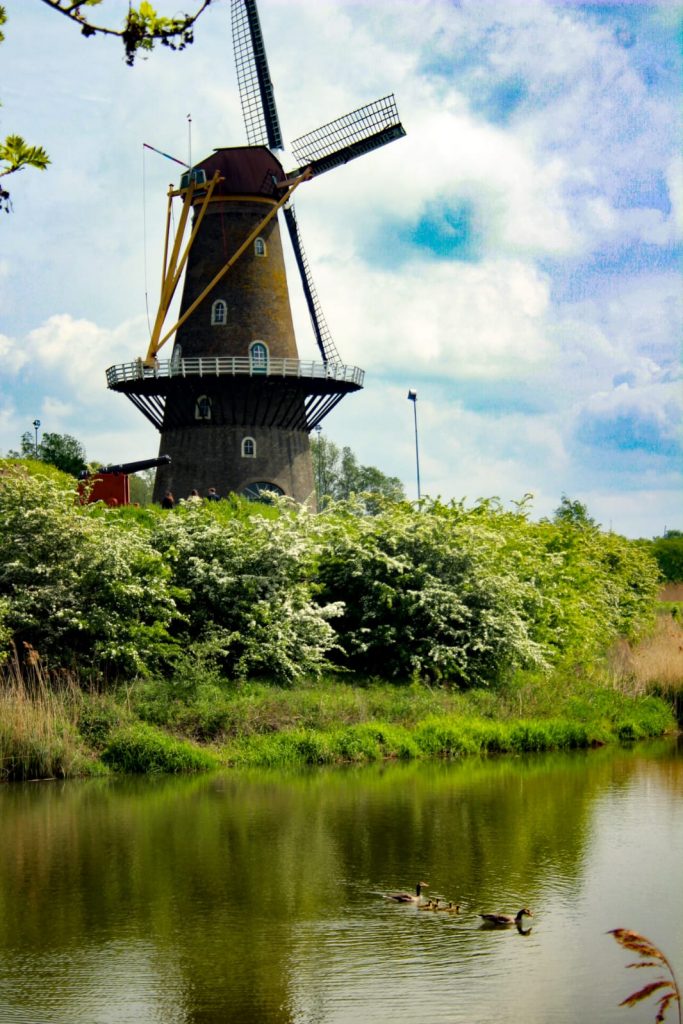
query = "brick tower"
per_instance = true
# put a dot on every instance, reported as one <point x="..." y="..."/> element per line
<point x="244" y="429"/>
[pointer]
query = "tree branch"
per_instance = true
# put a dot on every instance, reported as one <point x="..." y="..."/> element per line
<point x="142" y="27"/>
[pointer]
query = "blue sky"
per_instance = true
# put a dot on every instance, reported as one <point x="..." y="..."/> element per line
<point x="516" y="258"/>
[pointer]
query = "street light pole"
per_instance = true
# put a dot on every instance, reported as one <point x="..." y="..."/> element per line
<point x="36" y="424"/>
<point x="412" y="397"/>
<point x="319" y="467"/>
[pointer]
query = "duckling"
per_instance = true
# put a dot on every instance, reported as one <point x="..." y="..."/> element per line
<point x="505" y="920"/>
<point x="407" y="897"/>
<point x="429" y="905"/>
<point x="450" y="908"/>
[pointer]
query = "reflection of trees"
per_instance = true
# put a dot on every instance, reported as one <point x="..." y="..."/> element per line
<point x="225" y="878"/>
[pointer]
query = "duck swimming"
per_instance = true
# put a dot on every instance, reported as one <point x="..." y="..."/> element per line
<point x="505" y="920"/>
<point x="407" y="897"/>
<point x="450" y="908"/>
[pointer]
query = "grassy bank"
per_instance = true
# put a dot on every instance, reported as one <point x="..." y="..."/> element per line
<point x="52" y="728"/>
<point x="446" y="736"/>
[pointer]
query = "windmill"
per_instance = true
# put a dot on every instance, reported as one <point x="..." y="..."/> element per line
<point x="234" y="403"/>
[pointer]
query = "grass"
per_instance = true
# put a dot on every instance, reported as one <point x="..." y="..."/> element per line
<point x="446" y="737"/>
<point x="141" y="748"/>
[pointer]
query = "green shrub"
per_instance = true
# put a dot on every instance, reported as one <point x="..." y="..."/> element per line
<point x="217" y="594"/>
<point x="425" y="594"/>
<point x="469" y="596"/>
<point x="249" y="584"/>
<point x="97" y="717"/>
<point x="76" y="586"/>
<point x="668" y="550"/>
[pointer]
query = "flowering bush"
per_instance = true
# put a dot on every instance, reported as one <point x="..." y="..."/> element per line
<point x="249" y="590"/>
<point x="76" y="586"/>
<point x="441" y="592"/>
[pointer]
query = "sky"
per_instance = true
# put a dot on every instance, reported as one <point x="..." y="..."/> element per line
<point x="515" y="259"/>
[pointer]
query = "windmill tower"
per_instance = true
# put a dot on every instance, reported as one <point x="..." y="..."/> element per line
<point x="234" y="403"/>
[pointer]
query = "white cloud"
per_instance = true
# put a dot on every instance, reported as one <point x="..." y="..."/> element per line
<point x="640" y="512"/>
<point x="58" y="372"/>
<point x="58" y="413"/>
<point x="458" y="320"/>
<point x="77" y="352"/>
<point x="674" y="180"/>
<point x="11" y="355"/>
<point x="629" y="418"/>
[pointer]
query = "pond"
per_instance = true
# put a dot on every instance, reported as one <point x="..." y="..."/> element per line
<point x="259" y="897"/>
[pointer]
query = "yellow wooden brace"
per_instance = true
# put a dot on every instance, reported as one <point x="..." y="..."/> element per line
<point x="175" y="264"/>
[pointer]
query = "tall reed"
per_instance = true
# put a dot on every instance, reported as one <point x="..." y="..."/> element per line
<point x="655" y="665"/>
<point x="38" y="737"/>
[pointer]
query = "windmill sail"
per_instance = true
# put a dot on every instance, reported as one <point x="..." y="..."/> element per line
<point x="349" y="136"/>
<point x="328" y="349"/>
<point x="256" y="89"/>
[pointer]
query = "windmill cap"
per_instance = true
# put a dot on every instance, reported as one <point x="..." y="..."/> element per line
<point x="246" y="170"/>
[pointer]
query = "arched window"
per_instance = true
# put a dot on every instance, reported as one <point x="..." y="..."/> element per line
<point x="202" y="408"/>
<point x="219" y="313"/>
<point x="258" y="356"/>
<point x="248" y="448"/>
<point x="259" y="247"/>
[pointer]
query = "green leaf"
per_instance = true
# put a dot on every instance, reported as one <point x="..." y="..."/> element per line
<point x="15" y="152"/>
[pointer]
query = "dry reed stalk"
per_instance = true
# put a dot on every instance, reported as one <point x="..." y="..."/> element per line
<point x="651" y="956"/>
<point x="653" y="665"/>
<point x="37" y="715"/>
<point x="659" y="659"/>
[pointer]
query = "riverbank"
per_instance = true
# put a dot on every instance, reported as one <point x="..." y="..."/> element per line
<point x="51" y="728"/>
<point x="228" y="633"/>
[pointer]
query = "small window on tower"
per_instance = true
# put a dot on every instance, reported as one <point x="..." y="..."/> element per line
<point x="259" y="247"/>
<point x="219" y="313"/>
<point x="202" y="408"/>
<point x="248" y="448"/>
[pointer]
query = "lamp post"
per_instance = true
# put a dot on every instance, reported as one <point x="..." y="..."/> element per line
<point x="36" y="424"/>
<point x="319" y="466"/>
<point x="412" y="397"/>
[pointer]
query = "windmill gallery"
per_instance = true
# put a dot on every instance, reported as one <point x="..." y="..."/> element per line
<point x="234" y="403"/>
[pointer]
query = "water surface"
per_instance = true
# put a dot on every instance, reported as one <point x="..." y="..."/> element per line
<point x="258" y="897"/>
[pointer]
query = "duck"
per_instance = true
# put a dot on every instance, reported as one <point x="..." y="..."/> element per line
<point x="505" y="920"/>
<point x="407" y="897"/>
<point x="450" y="908"/>
<point x="429" y="905"/>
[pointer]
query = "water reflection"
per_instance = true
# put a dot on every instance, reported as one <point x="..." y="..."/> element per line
<point x="258" y="897"/>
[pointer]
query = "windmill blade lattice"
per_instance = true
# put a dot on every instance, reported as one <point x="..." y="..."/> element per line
<point x="349" y="136"/>
<point x="328" y="349"/>
<point x="256" y="89"/>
